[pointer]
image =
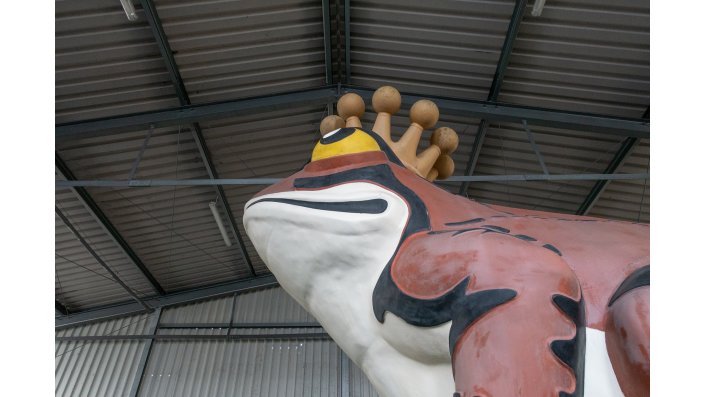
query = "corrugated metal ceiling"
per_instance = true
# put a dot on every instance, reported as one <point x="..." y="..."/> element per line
<point x="507" y="151"/>
<point x="106" y="65"/>
<point x="80" y="281"/>
<point x="448" y="47"/>
<point x="171" y="229"/>
<point x="587" y="56"/>
<point x="234" y="49"/>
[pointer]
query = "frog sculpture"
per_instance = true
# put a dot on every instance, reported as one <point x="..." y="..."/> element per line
<point x="434" y="294"/>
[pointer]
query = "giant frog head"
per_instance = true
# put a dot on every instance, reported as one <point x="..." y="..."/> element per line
<point x="357" y="199"/>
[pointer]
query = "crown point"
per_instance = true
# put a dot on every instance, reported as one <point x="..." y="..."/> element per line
<point x="446" y="139"/>
<point x="350" y="105"/>
<point x="425" y="113"/>
<point x="330" y="123"/>
<point x="386" y="99"/>
<point x="445" y="166"/>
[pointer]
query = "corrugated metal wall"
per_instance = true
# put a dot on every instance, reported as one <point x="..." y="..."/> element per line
<point x="99" y="368"/>
<point x="277" y="366"/>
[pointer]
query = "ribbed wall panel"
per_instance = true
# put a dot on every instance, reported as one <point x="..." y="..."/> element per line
<point x="269" y="305"/>
<point x="234" y="49"/>
<point x="447" y="48"/>
<point x="192" y="252"/>
<point x="210" y="311"/>
<point x="280" y="366"/>
<point x="360" y="386"/>
<point x="80" y="281"/>
<point x="628" y="200"/>
<point x="99" y="368"/>
<point x="257" y="368"/>
<point x="105" y="64"/>
<point x="587" y="56"/>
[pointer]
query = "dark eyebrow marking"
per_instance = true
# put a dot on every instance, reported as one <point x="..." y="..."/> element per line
<point x="497" y="228"/>
<point x="375" y="206"/>
<point x="476" y="220"/>
<point x="524" y="237"/>
<point x="552" y="248"/>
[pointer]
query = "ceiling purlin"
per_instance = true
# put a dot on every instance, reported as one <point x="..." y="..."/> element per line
<point x="168" y="56"/>
<point x="614" y="165"/>
<point x="502" y="63"/>
<point x="99" y="259"/>
<point x="94" y="210"/>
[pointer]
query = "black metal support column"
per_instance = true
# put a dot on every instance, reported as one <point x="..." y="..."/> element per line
<point x="614" y="165"/>
<point x="60" y="308"/>
<point x="347" y="42"/>
<point x="325" y="4"/>
<point x="146" y="352"/>
<point x="102" y="219"/>
<point x="328" y="48"/>
<point x="99" y="259"/>
<point x="182" y="94"/>
<point x="600" y="124"/>
<point x="512" y="32"/>
<point x="344" y="374"/>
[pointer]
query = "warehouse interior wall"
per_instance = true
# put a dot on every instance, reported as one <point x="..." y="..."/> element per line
<point x="257" y="343"/>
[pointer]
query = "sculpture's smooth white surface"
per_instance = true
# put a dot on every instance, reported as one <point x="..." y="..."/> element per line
<point x="331" y="267"/>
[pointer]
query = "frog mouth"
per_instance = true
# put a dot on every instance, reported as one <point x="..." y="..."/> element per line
<point x="373" y="206"/>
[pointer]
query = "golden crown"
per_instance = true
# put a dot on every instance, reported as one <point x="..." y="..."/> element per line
<point x="432" y="163"/>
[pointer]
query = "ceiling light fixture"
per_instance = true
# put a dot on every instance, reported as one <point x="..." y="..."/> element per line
<point x="538" y="8"/>
<point x="219" y="221"/>
<point x="129" y="10"/>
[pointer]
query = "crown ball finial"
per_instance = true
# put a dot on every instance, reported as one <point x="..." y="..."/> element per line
<point x="446" y="139"/>
<point x="386" y="99"/>
<point x="330" y="123"/>
<point x="444" y="166"/>
<point x="425" y="113"/>
<point x="350" y="105"/>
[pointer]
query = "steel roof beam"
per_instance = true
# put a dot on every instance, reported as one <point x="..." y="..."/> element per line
<point x="325" y="5"/>
<point x="347" y="42"/>
<point x="502" y="64"/>
<point x="628" y="145"/>
<point x="182" y="94"/>
<point x="609" y="125"/>
<point x="60" y="309"/>
<point x="193" y="113"/>
<point x="92" y="207"/>
<point x="175" y="298"/>
<point x="105" y="183"/>
<point x="172" y="337"/>
<point x="99" y="259"/>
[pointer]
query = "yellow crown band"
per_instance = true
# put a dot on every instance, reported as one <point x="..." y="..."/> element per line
<point x="357" y="142"/>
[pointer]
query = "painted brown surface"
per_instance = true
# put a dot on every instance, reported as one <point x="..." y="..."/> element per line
<point x="602" y="253"/>
<point x="519" y="331"/>
<point x="507" y="351"/>
<point x="628" y="345"/>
